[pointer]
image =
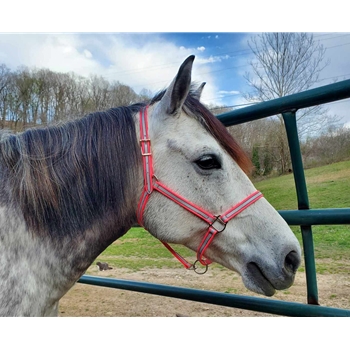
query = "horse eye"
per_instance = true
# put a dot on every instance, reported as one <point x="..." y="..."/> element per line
<point x="208" y="162"/>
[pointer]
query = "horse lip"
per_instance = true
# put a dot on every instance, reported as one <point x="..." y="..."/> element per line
<point x="260" y="279"/>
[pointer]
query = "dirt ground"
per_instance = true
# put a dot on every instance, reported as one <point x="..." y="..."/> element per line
<point x="86" y="300"/>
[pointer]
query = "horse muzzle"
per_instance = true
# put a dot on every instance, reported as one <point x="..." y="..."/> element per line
<point x="266" y="280"/>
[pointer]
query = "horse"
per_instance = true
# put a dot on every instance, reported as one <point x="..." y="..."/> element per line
<point x="68" y="191"/>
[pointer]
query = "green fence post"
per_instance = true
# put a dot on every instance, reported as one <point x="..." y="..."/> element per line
<point x="303" y="204"/>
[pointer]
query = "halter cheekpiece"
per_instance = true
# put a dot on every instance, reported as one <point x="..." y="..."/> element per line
<point x="217" y="223"/>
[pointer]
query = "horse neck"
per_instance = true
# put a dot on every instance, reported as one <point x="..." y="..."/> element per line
<point x="63" y="213"/>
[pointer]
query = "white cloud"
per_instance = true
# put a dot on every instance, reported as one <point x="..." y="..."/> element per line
<point x="63" y="53"/>
<point x="232" y="92"/>
<point x="202" y="48"/>
<point x="87" y="54"/>
<point x="137" y="63"/>
<point x="213" y="59"/>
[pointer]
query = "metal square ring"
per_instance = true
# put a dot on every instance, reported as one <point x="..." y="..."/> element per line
<point x="222" y="224"/>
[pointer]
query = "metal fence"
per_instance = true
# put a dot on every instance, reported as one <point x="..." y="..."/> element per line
<point x="303" y="217"/>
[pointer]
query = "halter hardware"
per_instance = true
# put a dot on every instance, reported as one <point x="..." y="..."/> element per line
<point x="149" y="147"/>
<point x="216" y="223"/>
<point x="195" y="268"/>
<point x="220" y="222"/>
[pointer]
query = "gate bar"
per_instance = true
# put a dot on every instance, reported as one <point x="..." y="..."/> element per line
<point x="313" y="97"/>
<point x="290" y="123"/>
<point x="308" y="217"/>
<point x="276" y="307"/>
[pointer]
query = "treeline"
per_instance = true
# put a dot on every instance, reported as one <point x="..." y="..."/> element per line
<point x="331" y="146"/>
<point x="31" y="97"/>
<point x="266" y="142"/>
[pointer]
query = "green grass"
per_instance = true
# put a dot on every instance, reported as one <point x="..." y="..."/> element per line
<point x="328" y="187"/>
<point x="139" y="249"/>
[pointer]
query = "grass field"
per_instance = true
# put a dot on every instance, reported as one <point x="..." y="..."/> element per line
<point x="328" y="187"/>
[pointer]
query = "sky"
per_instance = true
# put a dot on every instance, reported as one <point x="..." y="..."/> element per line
<point x="149" y="58"/>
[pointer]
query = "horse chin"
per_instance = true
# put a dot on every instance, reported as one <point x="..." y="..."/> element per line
<point x="256" y="281"/>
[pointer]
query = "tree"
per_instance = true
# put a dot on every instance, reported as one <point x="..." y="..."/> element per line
<point x="122" y="95"/>
<point x="256" y="159"/>
<point x="267" y="163"/>
<point x="99" y="87"/>
<point x="5" y="81"/>
<point x="285" y="64"/>
<point x="331" y="146"/>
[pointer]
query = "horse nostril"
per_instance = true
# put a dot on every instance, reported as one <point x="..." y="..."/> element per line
<point x="292" y="261"/>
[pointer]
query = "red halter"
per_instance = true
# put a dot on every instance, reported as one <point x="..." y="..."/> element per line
<point x="217" y="223"/>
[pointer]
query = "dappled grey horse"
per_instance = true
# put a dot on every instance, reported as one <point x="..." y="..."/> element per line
<point x="67" y="192"/>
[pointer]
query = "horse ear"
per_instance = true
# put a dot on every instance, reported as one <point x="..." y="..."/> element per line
<point x="198" y="93"/>
<point x="177" y="92"/>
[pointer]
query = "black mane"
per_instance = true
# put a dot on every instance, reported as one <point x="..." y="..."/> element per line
<point x="66" y="177"/>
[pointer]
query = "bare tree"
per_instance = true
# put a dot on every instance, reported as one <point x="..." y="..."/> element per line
<point x="99" y="92"/>
<point x="284" y="64"/>
<point x="331" y="146"/>
<point x="5" y="81"/>
<point x="122" y="95"/>
<point x="23" y="97"/>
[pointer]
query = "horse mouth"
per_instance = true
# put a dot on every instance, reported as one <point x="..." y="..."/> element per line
<point x="260" y="280"/>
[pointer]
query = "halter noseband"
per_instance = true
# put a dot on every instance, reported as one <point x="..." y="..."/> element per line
<point x="217" y="223"/>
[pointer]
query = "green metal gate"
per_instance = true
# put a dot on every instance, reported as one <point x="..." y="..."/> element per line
<point x="304" y="216"/>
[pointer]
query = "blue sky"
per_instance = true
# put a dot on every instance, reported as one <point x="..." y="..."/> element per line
<point x="141" y="60"/>
<point x="148" y="58"/>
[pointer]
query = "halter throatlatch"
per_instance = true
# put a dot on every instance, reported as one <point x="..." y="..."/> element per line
<point x="217" y="223"/>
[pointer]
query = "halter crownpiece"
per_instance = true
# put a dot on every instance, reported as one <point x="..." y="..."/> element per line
<point x="217" y="223"/>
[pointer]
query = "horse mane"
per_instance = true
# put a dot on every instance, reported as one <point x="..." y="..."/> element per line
<point x="212" y="124"/>
<point x="65" y="177"/>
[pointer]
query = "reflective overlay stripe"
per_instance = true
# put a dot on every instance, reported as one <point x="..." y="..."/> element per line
<point x="194" y="209"/>
<point x="232" y="212"/>
<point x="209" y="236"/>
<point x="182" y="260"/>
<point x="227" y="216"/>
<point x="141" y="206"/>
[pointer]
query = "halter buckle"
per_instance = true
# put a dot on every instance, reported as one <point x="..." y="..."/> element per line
<point x="220" y="222"/>
<point x="147" y="153"/>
